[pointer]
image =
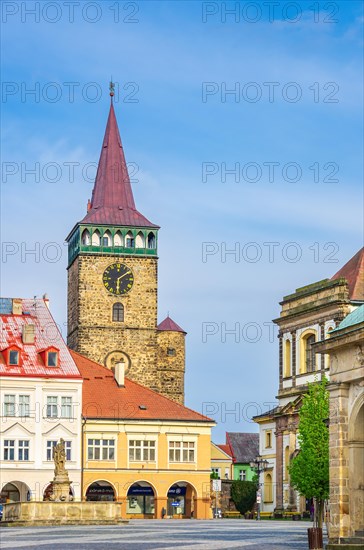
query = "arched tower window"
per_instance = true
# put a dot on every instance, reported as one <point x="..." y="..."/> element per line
<point x="139" y="241"/>
<point x="118" y="312"/>
<point x="287" y="359"/>
<point x="268" y="488"/>
<point x="118" y="239"/>
<point x="129" y="240"/>
<point x="86" y="238"/>
<point x="106" y="239"/>
<point x="151" y="240"/>
<point x="96" y="238"/>
<point x="307" y="358"/>
<point x="310" y="356"/>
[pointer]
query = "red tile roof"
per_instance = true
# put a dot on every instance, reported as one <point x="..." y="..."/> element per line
<point x="169" y="324"/>
<point x="112" y="197"/>
<point x="226" y="449"/>
<point x="103" y="398"/>
<point x="353" y="272"/>
<point x="35" y="312"/>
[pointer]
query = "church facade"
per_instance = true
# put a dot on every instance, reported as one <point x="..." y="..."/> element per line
<point x="308" y="316"/>
<point x="113" y="282"/>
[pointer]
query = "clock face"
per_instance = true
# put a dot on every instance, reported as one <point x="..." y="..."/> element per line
<point x="118" y="278"/>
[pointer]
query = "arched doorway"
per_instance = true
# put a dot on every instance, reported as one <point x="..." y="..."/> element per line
<point x="181" y="499"/>
<point x="100" y="491"/>
<point x="356" y="467"/>
<point x="16" y="491"/>
<point x="140" y="502"/>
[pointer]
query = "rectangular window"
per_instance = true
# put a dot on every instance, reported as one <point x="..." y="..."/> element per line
<point x="9" y="449"/>
<point x="242" y="475"/>
<point x="52" y="406"/>
<point x="268" y="439"/>
<point x="13" y="357"/>
<point x="142" y="450"/>
<point x="66" y="409"/>
<point x="227" y="471"/>
<point x="105" y="241"/>
<point x="68" y="448"/>
<point x="23" y="450"/>
<point x="9" y="405"/>
<point x="52" y="359"/>
<point x="101" y="449"/>
<point x="181" y="451"/>
<point x="216" y="471"/>
<point x="50" y="445"/>
<point x="129" y="243"/>
<point x="24" y="405"/>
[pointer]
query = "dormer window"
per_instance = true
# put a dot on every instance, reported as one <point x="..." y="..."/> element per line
<point x="52" y="359"/>
<point x="50" y="356"/>
<point x="13" y="357"/>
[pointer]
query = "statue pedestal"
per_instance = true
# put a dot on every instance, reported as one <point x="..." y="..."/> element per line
<point x="61" y="488"/>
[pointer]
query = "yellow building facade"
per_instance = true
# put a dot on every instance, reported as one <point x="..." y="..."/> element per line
<point x="142" y="449"/>
<point x="221" y="462"/>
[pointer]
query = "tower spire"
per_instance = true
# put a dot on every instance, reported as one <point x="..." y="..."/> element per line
<point x="112" y="199"/>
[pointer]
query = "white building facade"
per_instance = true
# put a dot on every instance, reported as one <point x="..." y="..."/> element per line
<point x="41" y="400"/>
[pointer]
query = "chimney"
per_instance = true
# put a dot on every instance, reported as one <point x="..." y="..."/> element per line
<point x="17" y="307"/>
<point x="28" y="335"/>
<point x="46" y="300"/>
<point x="119" y="373"/>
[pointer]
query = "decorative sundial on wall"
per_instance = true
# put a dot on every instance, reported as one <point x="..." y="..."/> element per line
<point x="117" y="356"/>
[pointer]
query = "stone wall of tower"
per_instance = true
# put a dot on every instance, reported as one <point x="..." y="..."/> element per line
<point x="72" y="305"/>
<point x="93" y="333"/>
<point x="171" y="368"/>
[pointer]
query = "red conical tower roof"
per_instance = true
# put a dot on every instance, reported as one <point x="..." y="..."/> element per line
<point x="353" y="272"/>
<point x="112" y="201"/>
<point x="169" y="324"/>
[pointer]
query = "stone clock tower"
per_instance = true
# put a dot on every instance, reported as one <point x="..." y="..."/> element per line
<point x="112" y="282"/>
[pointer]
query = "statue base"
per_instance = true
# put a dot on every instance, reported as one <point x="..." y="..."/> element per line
<point x="61" y="490"/>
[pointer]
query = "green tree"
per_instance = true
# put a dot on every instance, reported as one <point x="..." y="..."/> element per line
<point x="309" y="470"/>
<point x="243" y="494"/>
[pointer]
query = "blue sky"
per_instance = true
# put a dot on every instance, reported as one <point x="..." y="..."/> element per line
<point x="180" y="132"/>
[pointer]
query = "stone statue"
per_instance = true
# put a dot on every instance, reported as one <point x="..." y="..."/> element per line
<point x="59" y="457"/>
<point x="61" y="483"/>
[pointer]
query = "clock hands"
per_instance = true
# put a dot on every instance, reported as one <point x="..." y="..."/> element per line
<point x="126" y="273"/>
<point x="118" y="280"/>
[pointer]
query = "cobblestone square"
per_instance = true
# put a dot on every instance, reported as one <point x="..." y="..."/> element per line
<point x="209" y="535"/>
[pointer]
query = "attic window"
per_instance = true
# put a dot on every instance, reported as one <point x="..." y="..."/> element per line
<point x="52" y="359"/>
<point x="171" y="352"/>
<point x="143" y="407"/>
<point x="13" y="357"/>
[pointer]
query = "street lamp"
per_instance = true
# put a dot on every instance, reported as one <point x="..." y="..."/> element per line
<point x="260" y="464"/>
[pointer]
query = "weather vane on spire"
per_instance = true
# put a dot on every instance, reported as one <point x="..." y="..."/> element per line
<point x="112" y="88"/>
